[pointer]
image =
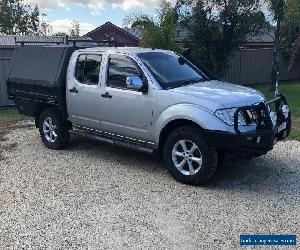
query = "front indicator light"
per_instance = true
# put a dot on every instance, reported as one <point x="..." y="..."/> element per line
<point x="258" y="140"/>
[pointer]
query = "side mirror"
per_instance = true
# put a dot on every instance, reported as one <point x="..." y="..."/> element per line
<point x="134" y="83"/>
<point x="181" y="60"/>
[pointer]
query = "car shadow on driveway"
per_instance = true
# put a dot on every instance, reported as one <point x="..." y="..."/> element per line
<point x="116" y="154"/>
<point x="261" y="174"/>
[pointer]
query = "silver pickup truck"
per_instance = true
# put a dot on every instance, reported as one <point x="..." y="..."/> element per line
<point x="149" y="100"/>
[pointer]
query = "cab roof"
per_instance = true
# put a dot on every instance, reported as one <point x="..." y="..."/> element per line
<point x="125" y="50"/>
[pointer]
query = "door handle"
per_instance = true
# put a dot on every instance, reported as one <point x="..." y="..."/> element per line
<point x="73" y="90"/>
<point x="107" y="95"/>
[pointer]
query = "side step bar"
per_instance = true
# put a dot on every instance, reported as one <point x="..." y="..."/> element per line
<point x="113" y="141"/>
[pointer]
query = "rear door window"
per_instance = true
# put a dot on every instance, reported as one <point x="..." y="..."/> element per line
<point x="88" y="69"/>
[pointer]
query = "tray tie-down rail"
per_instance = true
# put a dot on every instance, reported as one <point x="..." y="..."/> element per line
<point x="66" y="40"/>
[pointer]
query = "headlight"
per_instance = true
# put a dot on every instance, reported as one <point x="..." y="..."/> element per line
<point x="227" y="116"/>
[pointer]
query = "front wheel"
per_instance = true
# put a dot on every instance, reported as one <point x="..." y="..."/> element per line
<point x="53" y="129"/>
<point x="189" y="159"/>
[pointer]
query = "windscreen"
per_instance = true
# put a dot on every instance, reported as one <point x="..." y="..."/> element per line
<point x="171" y="70"/>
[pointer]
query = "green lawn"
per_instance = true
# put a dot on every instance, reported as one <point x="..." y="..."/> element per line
<point x="292" y="92"/>
<point x="10" y="115"/>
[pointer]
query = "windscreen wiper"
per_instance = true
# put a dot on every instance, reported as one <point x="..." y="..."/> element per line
<point x="184" y="83"/>
<point x="187" y="82"/>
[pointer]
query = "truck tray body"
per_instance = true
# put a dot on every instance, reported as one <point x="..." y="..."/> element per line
<point x="38" y="75"/>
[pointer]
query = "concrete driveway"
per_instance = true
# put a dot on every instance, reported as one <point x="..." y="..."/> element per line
<point x="93" y="195"/>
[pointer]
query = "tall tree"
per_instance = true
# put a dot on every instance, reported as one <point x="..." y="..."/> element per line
<point x="160" y="30"/>
<point x="217" y="27"/>
<point x="18" y="18"/>
<point x="35" y="19"/>
<point x="286" y="15"/>
<point x="44" y="27"/>
<point x="277" y="8"/>
<point x="75" y="29"/>
<point x="296" y="52"/>
<point x="291" y="39"/>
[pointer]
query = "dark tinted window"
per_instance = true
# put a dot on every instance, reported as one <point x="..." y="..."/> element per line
<point x="119" y="68"/>
<point x="171" y="70"/>
<point x="88" y="69"/>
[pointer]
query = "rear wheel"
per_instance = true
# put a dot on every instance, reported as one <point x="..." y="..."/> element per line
<point x="188" y="158"/>
<point x="53" y="129"/>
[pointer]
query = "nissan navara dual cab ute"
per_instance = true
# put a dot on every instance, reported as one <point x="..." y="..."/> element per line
<point x="149" y="100"/>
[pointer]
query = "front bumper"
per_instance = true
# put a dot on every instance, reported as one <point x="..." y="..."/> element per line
<point x="259" y="141"/>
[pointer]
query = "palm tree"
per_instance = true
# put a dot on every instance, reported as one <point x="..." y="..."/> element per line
<point x="159" y="30"/>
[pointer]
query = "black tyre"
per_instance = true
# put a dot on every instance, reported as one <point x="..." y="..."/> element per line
<point x="53" y="129"/>
<point x="189" y="159"/>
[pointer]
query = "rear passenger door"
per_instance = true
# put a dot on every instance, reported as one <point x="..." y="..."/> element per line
<point x="83" y="91"/>
<point x="124" y="111"/>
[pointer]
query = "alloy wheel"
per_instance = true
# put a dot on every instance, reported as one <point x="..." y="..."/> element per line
<point x="50" y="130"/>
<point x="187" y="157"/>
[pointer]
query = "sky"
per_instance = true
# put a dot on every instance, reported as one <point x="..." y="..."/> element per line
<point x="91" y="13"/>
